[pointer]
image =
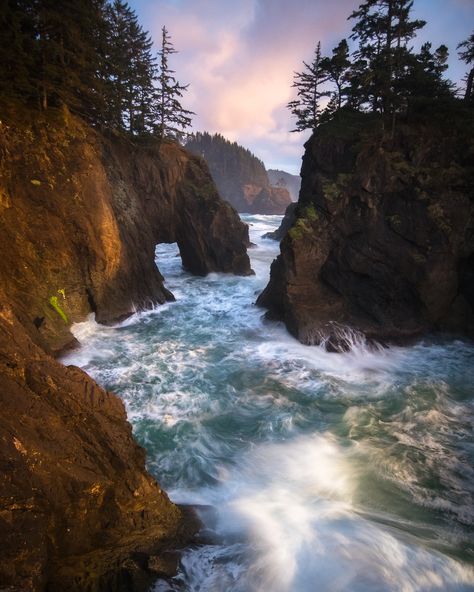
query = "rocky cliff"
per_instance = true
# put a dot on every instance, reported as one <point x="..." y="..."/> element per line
<point x="80" y="215"/>
<point x="240" y="176"/>
<point x="291" y="182"/>
<point x="383" y="239"/>
<point x="78" y="511"/>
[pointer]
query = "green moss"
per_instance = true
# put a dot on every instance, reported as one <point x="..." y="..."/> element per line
<point x="302" y="226"/>
<point x="310" y="213"/>
<point x="55" y="304"/>
<point x="331" y="190"/>
<point x="437" y="214"/>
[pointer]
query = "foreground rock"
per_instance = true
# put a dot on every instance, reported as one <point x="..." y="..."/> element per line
<point x="383" y="239"/>
<point x="80" y="216"/>
<point x="78" y="511"/>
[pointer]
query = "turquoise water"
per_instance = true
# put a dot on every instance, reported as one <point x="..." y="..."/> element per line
<point x="319" y="472"/>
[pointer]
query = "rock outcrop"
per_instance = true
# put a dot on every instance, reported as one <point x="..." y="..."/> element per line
<point x="81" y="215"/>
<point x="240" y="176"/>
<point x="78" y="511"/>
<point x="291" y="182"/>
<point x="383" y="239"/>
<point x="286" y="223"/>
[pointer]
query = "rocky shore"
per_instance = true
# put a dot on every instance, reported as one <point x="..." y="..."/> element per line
<point x="80" y="215"/>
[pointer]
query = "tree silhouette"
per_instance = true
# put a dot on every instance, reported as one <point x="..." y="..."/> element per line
<point x="171" y="118"/>
<point x="307" y="107"/>
<point x="466" y="53"/>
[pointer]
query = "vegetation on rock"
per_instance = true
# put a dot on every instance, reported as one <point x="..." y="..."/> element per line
<point x="390" y="175"/>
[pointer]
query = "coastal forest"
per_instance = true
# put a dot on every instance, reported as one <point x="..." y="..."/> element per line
<point x="216" y="375"/>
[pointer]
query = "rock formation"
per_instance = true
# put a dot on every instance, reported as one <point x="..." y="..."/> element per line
<point x="240" y="176"/>
<point x="383" y="239"/>
<point x="78" y="511"/>
<point x="80" y="215"/>
<point x="286" y="223"/>
<point x="291" y="182"/>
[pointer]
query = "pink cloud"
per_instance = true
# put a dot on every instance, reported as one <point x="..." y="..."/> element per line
<point x="239" y="58"/>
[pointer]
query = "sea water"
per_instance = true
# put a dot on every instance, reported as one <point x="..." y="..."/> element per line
<point x="313" y="471"/>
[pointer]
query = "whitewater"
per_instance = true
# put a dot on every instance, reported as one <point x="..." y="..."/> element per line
<point x="311" y="471"/>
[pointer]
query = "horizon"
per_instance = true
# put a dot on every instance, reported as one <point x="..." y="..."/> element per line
<point x="240" y="74"/>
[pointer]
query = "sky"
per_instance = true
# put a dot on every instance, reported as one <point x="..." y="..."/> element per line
<point x="239" y="58"/>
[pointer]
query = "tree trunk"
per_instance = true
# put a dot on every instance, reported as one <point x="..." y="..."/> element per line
<point x="469" y="86"/>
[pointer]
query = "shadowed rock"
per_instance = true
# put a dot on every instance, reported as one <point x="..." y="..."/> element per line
<point x="383" y="239"/>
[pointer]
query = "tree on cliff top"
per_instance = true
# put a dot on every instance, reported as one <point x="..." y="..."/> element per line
<point x="307" y="106"/>
<point x="131" y="70"/>
<point x="383" y="29"/>
<point x="337" y="69"/>
<point x="93" y="57"/>
<point x="467" y="55"/>
<point x="171" y="117"/>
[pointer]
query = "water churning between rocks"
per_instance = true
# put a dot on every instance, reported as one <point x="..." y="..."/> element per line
<point x="349" y="472"/>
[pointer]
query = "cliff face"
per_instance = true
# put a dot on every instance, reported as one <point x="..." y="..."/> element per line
<point x="283" y="179"/>
<point x="81" y="216"/>
<point x="383" y="239"/>
<point x="78" y="511"/>
<point x="240" y="176"/>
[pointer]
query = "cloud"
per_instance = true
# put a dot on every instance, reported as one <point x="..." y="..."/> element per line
<point x="239" y="58"/>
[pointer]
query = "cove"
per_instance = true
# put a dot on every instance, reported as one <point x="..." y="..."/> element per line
<point x="316" y="471"/>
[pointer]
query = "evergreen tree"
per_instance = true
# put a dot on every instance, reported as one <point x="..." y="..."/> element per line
<point x="132" y="70"/>
<point x="466" y="53"/>
<point x="171" y="118"/>
<point x="66" y="58"/>
<point x="424" y="78"/>
<point x="307" y="107"/>
<point x="17" y="42"/>
<point x="383" y="29"/>
<point x="337" y="69"/>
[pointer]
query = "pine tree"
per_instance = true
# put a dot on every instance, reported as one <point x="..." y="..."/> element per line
<point x="66" y="55"/>
<point x="466" y="53"/>
<point x="307" y="107"/>
<point x="424" y="78"/>
<point x="17" y="42"/>
<point x="383" y="29"/>
<point x="171" y="119"/>
<point x="337" y="69"/>
<point x="132" y="70"/>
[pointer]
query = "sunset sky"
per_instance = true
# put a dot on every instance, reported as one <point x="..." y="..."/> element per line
<point x="239" y="58"/>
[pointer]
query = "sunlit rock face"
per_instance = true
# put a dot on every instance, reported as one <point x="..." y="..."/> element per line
<point x="383" y="235"/>
<point x="78" y="509"/>
<point x="81" y="215"/>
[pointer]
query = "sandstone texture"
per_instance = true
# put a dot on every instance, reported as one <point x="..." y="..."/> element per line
<point x="383" y="238"/>
<point x="78" y="511"/>
<point x="80" y="216"/>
